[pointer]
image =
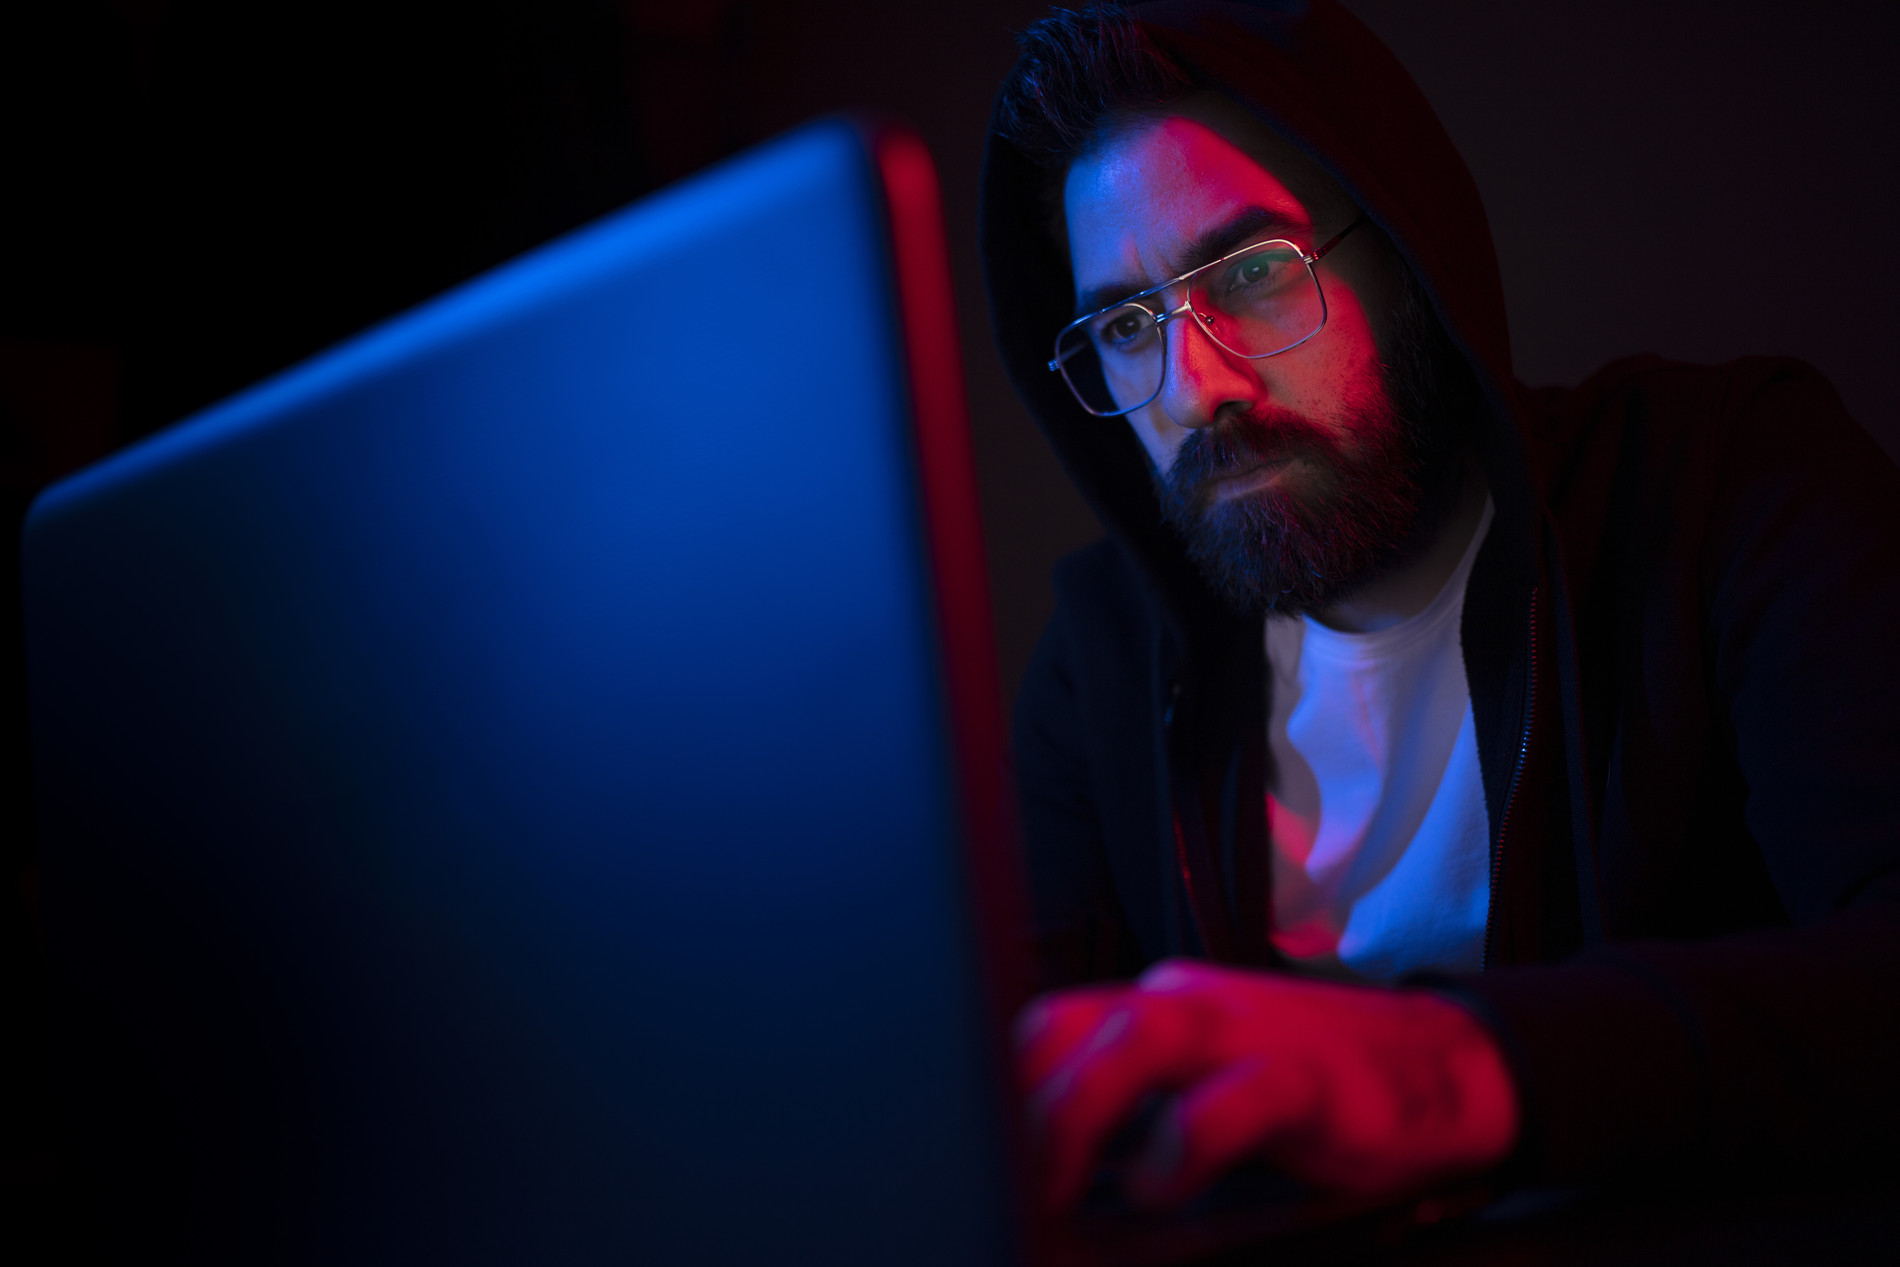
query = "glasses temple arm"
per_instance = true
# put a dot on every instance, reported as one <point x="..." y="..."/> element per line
<point x="1337" y="239"/>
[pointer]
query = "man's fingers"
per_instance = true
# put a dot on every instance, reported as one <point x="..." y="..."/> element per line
<point x="1143" y="1044"/>
<point x="1247" y="1107"/>
<point x="1051" y="1027"/>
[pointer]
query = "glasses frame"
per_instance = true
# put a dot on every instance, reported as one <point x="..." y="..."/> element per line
<point x="1166" y="314"/>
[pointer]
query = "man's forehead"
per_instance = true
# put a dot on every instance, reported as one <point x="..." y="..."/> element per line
<point x="1145" y="205"/>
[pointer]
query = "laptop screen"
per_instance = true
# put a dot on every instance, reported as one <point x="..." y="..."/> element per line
<point x="500" y="794"/>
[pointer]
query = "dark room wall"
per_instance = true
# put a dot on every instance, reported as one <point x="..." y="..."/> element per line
<point x="1704" y="179"/>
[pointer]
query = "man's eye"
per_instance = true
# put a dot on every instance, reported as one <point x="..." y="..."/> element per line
<point x="1122" y="327"/>
<point x="1256" y="269"/>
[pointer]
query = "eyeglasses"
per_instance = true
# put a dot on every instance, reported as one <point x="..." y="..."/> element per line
<point x="1259" y="301"/>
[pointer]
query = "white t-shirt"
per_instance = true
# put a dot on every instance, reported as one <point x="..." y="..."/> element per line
<point x="1375" y="803"/>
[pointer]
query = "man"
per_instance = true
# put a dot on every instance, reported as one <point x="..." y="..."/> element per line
<point x="1524" y="761"/>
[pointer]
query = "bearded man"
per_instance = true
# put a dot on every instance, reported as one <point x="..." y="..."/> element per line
<point x="1469" y="776"/>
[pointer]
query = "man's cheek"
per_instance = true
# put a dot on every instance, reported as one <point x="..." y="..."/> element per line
<point x="1159" y="436"/>
<point x="1343" y="391"/>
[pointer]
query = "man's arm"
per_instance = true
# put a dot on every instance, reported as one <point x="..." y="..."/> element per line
<point x="1772" y="1049"/>
<point x="1080" y="932"/>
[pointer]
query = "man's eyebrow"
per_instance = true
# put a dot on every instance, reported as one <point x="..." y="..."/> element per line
<point x="1248" y="222"/>
<point x="1096" y="298"/>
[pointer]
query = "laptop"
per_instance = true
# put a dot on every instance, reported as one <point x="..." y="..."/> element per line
<point x="525" y="785"/>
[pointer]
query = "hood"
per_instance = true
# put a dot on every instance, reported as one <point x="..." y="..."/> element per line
<point x="1321" y="79"/>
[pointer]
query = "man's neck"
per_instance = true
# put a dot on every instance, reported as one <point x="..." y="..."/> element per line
<point x="1427" y="562"/>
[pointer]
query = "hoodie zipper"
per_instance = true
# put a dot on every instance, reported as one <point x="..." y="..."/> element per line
<point x="1510" y="796"/>
<point x="1180" y="840"/>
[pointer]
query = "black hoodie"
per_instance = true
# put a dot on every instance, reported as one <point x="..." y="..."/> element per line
<point x="1682" y="637"/>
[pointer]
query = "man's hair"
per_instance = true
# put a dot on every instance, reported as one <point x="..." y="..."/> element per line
<point x="1082" y="75"/>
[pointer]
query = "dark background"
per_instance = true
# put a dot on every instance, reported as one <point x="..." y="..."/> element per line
<point x="198" y="194"/>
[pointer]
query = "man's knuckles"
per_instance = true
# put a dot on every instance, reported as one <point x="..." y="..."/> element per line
<point x="1052" y="1028"/>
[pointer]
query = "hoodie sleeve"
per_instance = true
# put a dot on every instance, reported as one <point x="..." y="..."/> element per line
<point x="1062" y="838"/>
<point x="1086" y="780"/>
<point x="1779" y="1048"/>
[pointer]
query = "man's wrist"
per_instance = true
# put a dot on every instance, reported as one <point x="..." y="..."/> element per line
<point x="1507" y="1052"/>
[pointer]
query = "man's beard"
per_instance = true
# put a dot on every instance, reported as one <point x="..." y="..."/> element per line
<point x="1307" y="543"/>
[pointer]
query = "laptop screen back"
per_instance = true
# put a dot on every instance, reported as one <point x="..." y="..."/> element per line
<point x="496" y="793"/>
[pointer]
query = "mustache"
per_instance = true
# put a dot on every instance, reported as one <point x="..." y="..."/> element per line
<point x="1244" y="443"/>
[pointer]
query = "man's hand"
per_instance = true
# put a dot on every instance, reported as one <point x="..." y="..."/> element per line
<point x="1356" y="1089"/>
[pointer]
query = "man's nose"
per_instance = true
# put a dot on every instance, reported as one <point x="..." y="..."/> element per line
<point x="1204" y="379"/>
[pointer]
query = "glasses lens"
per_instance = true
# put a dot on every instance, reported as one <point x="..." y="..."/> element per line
<point x="1112" y="361"/>
<point x="1262" y="302"/>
